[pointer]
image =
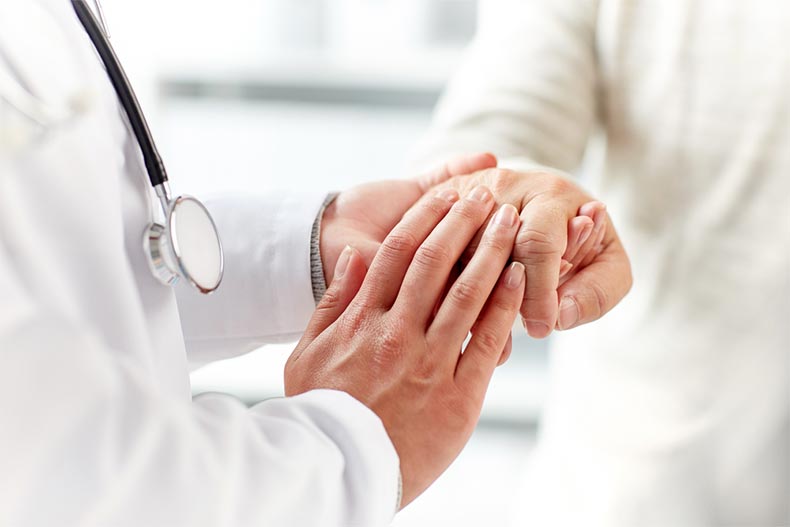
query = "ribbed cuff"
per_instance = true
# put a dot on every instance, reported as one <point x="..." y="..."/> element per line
<point x="316" y="264"/>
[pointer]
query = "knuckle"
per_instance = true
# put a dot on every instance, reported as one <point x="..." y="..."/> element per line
<point x="558" y="185"/>
<point x="424" y="371"/>
<point x="502" y="178"/>
<point x="564" y="186"/>
<point x="436" y="206"/>
<point x="600" y="297"/>
<point x="383" y="350"/>
<point x="354" y="320"/>
<point x="467" y="211"/>
<point x="488" y="342"/>
<point x="329" y="301"/>
<point x="399" y="243"/>
<point x="464" y="294"/>
<point x="498" y="240"/>
<point x="507" y="304"/>
<point x="432" y="255"/>
<point x="390" y="346"/>
<point x="390" y="343"/>
<point x="536" y="244"/>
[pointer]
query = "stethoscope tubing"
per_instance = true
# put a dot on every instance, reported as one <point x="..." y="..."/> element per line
<point x="153" y="161"/>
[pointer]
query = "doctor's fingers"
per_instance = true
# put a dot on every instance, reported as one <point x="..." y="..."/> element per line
<point x="459" y="166"/>
<point x="595" y="289"/>
<point x="492" y="332"/>
<point x="464" y="302"/>
<point x="393" y="258"/>
<point x="428" y="274"/>
<point x="349" y="274"/>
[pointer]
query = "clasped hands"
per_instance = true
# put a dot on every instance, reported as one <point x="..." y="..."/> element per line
<point x="391" y="329"/>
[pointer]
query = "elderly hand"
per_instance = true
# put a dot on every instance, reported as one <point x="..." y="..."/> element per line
<point x="364" y="215"/>
<point x="547" y="203"/>
<point x="392" y="336"/>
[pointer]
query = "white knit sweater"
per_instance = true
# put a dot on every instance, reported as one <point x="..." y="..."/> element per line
<point x="674" y="410"/>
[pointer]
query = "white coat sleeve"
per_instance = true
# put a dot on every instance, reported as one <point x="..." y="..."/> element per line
<point x="526" y="88"/>
<point x="266" y="295"/>
<point x="86" y="438"/>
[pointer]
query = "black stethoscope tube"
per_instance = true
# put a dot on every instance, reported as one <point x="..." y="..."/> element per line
<point x="153" y="161"/>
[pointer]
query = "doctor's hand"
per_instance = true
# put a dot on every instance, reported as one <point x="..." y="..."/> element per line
<point x="364" y="215"/>
<point x="548" y="202"/>
<point x="392" y="336"/>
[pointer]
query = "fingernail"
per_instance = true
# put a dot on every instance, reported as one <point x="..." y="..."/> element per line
<point x="585" y="234"/>
<point x="342" y="262"/>
<point x="538" y="330"/>
<point x="515" y="275"/>
<point x="448" y="194"/>
<point x="507" y="216"/>
<point x="480" y="194"/>
<point x="565" y="268"/>
<point x="569" y="313"/>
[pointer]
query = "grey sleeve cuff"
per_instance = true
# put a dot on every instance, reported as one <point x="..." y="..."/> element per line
<point x="316" y="264"/>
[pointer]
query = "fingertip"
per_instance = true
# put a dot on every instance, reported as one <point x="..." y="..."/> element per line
<point x="342" y="262"/>
<point x="537" y="330"/>
<point x="350" y="269"/>
<point x="580" y="222"/>
<point x="599" y="217"/>
<point x="515" y="276"/>
<point x="357" y="268"/>
<point x="579" y="230"/>
<point x="488" y="160"/>
<point x="340" y="293"/>
<point x="569" y="313"/>
<point x="448" y="194"/>
<point x="565" y="268"/>
<point x="590" y="208"/>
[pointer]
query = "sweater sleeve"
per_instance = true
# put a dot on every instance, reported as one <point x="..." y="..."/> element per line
<point x="526" y="90"/>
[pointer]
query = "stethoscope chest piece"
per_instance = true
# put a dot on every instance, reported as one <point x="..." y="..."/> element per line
<point x="186" y="246"/>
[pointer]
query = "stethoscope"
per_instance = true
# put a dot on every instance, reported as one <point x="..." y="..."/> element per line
<point x="187" y="245"/>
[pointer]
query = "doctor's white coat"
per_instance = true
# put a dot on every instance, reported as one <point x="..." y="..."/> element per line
<point x="97" y="426"/>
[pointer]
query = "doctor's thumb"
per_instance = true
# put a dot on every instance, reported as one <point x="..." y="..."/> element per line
<point x="349" y="274"/>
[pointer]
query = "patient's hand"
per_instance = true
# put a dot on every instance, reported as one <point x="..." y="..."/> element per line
<point x="547" y="203"/>
<point x="364" y="215"/>
<point x="586" y="233"/>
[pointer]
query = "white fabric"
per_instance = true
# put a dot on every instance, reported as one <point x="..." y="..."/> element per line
<point x="97" y="426"/>
<point x="674" y="409"/>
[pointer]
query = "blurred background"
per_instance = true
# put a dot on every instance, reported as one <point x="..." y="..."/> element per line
<point x="320" y="94"/>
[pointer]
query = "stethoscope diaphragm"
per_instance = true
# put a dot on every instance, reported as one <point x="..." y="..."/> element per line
<point x="187" y="244"/>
